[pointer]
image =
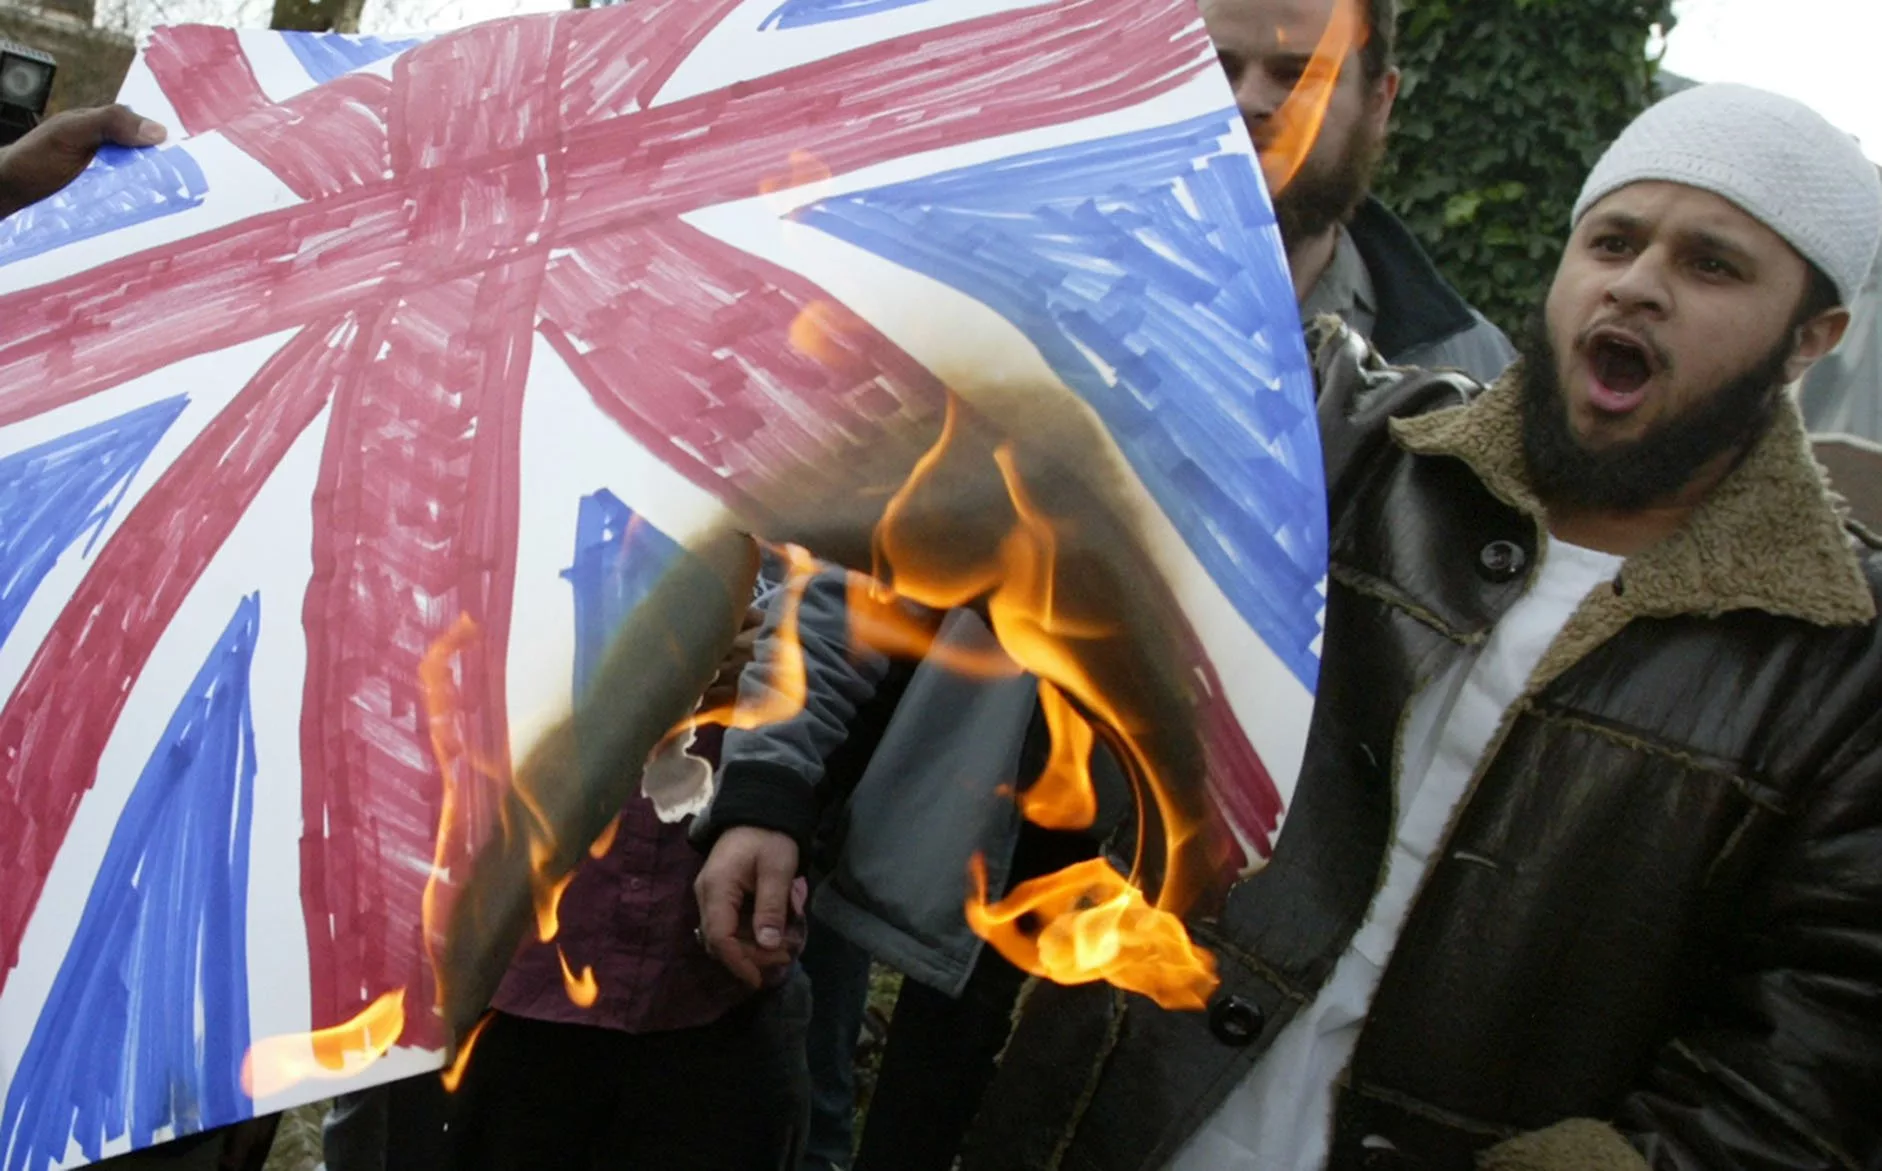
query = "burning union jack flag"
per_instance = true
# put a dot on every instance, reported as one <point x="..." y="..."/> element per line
<point x="399" y="332"/>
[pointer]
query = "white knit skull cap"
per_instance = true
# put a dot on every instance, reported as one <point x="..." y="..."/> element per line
<point x="1776" y="158"/>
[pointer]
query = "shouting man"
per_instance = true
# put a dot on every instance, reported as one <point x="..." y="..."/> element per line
<point x="1584" y="868"/>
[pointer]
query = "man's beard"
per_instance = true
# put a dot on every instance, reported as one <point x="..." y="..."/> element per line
<point x="1325" y="193"/>
<point x="1626" y="477"/>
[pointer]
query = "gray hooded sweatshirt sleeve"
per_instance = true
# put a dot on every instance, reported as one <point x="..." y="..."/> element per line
<point x="768" y="775"/>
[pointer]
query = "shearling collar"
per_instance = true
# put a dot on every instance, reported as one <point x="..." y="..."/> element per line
<point x="1769" y="538"/>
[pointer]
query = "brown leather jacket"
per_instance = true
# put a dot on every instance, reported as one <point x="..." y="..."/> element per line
<point x="1653" y="936"/>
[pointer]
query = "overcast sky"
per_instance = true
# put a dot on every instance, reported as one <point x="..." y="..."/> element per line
<point x="1824" y="52"/>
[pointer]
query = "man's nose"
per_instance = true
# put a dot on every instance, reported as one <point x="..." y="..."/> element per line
<point x="1641" y="286"/>
<point x="1258" y="97"/>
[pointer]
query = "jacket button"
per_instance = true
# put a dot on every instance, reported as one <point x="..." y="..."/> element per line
<point x="1502" y="561"/>
<point x="1379" y="1154"/>
<point x="1236" y="1021"/>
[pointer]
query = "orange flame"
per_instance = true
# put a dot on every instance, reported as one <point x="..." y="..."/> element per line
<point x="881" y="620"/>
<point x="549" y="908"/>
<point x="878" y="617"/>
<point x="1087" y="923"/>
<point x="1305" y="111"/>
<point x="1063" y="796"/>
<point x="438" y="685"/>
<point x="600" y="846"/>
<point x="788" y="683"/>
<point x="583" y="991"/>
<point x="453" y="1076"/>
<point x="273" y="1065"/>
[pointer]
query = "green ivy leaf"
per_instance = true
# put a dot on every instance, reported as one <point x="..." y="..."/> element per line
<point x="1461" y="209"/>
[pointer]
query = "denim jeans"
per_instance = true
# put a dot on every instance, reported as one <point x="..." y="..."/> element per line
<point x="839" y="994"/>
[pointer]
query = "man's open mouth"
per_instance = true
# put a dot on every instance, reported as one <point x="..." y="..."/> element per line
<point x="1620" y="364"/>
<point x="1622" y="367"/>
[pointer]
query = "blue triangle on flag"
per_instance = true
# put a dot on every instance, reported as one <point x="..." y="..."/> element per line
<point x="799" y="13"/>
<point x="66" y="488"/>
<point x="326" y="56"/>
<point x="146" y="1025"/>
<point x="124" y="186"/>
<point x="619" y="556"/>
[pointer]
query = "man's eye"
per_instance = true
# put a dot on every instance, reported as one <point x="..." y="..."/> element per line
<point x="1712" y="266"/>
<point x="1611" y="245"/>
<point x="1231" y="65"/>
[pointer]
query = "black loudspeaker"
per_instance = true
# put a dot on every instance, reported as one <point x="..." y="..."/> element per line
<point x="25" y="88"/>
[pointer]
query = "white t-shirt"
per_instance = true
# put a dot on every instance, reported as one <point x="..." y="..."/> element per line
<point x="1281" y="1116"/>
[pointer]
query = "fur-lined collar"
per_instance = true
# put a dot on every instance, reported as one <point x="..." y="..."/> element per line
<point x="1769" y="538"/>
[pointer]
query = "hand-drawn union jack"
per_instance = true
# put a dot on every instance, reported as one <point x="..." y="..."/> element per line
<point x="426" y="223"/>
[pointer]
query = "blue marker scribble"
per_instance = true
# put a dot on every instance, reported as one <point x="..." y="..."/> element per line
<point x="147" y="1021"/>
<point x="326" y="56"/>
<point x="122" y="187"/>
<point x="618" y="557"/>
<point x="797" y="13"/>
<point x="1157" y="289"/>
<point x="55" y="493"/>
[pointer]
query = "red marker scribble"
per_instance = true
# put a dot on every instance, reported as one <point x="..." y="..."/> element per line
<point x="218" y="86"/>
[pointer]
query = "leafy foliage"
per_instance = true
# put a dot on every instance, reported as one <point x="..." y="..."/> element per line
<point x="1505" y="106"/>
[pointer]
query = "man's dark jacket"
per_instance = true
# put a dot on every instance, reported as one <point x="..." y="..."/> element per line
<point x="1419" y="320"/>
<point x="1653" y="935"/>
